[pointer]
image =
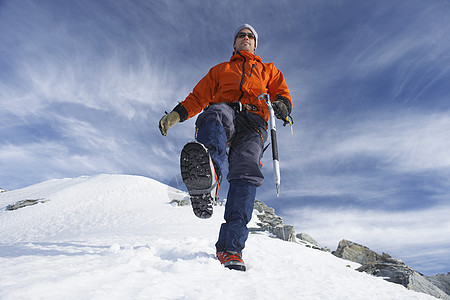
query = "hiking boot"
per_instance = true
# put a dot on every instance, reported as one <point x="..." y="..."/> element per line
<point x="231" y="260"/>
<point x="199" y="176"/>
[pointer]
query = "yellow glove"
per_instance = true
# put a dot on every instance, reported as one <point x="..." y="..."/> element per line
<point x="167" y="121"/>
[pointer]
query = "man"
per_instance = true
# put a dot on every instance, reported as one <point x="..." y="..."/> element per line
<point x="233" y="117"/>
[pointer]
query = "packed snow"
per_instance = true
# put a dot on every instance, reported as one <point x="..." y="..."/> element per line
<point x="118" y="237"/>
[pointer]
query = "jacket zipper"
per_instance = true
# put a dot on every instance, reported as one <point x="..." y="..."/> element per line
<point x="251" y="70"/>
<point x="243" y="76"/>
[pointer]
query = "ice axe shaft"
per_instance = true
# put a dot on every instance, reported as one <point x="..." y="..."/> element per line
<point x="273" y="138"/>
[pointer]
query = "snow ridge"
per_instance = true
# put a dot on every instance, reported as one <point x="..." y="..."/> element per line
<point x="118" y="237"/>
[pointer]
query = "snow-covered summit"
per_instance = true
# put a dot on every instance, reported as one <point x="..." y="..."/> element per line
<point x="118" y="237"/>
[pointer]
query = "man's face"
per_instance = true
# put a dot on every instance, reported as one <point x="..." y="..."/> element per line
<point x="244" y="43"/>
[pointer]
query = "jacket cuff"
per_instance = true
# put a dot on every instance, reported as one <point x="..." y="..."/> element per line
<point x="182" y="112"/>
<point x="285" y="101"/>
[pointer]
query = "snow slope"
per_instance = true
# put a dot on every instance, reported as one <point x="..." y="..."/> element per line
<point x="118" y="237"/>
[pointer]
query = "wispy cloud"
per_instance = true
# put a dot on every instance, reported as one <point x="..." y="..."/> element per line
<point x="381" y="159"/>
<point x="409" y="236"/>
<point x="406" y="143"/>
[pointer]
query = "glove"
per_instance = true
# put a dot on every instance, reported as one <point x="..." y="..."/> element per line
<point x="280" y="109"/>
<point x="167" y="122"/>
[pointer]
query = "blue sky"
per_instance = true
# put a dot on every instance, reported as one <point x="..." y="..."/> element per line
<point x="83" y="85"/>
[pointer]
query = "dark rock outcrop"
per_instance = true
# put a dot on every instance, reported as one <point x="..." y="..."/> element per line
<point x="269" y="221"/>
<point x="306" y="238"/>
<point x="389" y="268"/>
<point x="442" y="281"/>
<point x="274" y="224"/>
<point x="355" y="252"/>
<point x="25" y="203"/>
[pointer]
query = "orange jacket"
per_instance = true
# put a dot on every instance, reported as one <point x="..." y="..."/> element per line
<point x="242" y="79"/>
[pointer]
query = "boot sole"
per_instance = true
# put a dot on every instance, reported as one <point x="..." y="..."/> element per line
<point x="236" y="267"/>
<point x="197" y="175"/>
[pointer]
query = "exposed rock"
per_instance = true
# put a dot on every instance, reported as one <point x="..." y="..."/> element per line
<point x="268" y="221"/>
<point x="25" y="203"/>
<point x="181" y="202"/>
<point x="402" y="274"/>
<point x="306" y="238"/>
<point x="272" y="223"/>
<point x="186" y="201"/>
<point x="442" y="281"/>
<point x="284" y="232"/>
<point x="2" y="190"/>
<point x="420" y="283"/>
<point x="389" y="268"/>
<point x="355" y="252"/>
<point x="178" y="197"/>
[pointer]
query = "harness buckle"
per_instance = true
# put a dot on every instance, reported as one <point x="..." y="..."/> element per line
<point x="240" y="107"/>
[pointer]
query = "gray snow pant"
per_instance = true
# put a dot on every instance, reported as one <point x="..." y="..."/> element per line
<point x="244" y="132"/>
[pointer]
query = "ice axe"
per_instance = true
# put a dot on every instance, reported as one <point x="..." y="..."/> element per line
<point x="273" y="138"/>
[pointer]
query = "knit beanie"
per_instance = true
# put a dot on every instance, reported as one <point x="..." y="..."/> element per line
<point x="248" y="27"/>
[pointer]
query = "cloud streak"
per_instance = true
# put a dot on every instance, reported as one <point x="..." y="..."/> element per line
<point x="371" y="148"/>
<point x="410" y="236"/>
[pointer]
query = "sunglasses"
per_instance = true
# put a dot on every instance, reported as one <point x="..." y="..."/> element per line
<point x="244" y="34"/>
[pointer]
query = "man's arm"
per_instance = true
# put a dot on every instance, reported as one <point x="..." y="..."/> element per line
<point x="282" y="102"/>
<point x="194" y="103"/>
<point x="201" y="95"/>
